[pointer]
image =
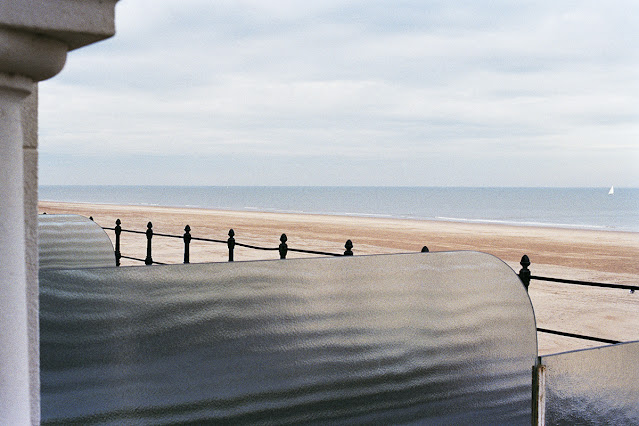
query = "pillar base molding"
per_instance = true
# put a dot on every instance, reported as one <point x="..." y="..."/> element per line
<point x="16" y="85"/>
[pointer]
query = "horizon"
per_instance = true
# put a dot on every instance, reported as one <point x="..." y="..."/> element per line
<point x="583" y="208"/>
<point x="343" y="186"/>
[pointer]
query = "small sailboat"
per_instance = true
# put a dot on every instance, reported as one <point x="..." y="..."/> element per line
<point x="612" y="190"/>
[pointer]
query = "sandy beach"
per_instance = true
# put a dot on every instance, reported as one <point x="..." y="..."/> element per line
<point x="603" y="256"/>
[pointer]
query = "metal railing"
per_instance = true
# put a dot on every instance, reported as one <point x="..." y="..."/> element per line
<point x="283" y="248"/>
<point x="525" y="276"/>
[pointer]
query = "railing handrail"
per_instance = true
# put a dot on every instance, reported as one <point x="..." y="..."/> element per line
<point x="586" y="283"/>
<point x="525" y="276"/>
<point x="578" y="336"/>
<point x="142" y="260"/>
<point x="187" y="237"/>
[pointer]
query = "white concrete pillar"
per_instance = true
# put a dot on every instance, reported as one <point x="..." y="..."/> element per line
<point x="30" y="170"/>
<point x="35" y="36"/>
<point x="25" y="58"/>
<point x="14" y="345"/>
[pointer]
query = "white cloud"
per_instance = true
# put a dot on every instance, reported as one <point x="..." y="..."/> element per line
<point x="361" y="80"/>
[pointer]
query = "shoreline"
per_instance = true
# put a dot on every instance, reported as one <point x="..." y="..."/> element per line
<point x="530" y="240"/>
<point x="487" y="222"/>
<point x="588" y="255"/>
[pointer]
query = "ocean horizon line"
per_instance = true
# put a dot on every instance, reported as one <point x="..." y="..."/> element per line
<point x="574" y="208"/>
<point x="339" y="186"/>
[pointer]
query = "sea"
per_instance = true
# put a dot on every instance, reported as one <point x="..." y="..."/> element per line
<point x="577" y="208"/>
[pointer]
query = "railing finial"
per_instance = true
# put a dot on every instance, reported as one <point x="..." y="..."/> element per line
<point x="283" y="247"/>
<point x="231" y="244"/>
<point x="118" y="231"/>
<point x="349" y="248"/>
<point x="149" y="235"/>
<point x="524" y="272"/>
<point x="187" y="241"/>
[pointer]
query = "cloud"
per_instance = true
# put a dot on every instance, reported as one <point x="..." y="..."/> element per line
<point x="362" y="81"/>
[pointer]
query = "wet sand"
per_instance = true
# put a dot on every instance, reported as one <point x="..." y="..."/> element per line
<point x="603" y="256"/>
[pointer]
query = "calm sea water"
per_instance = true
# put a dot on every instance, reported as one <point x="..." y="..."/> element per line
<point x="584" y="208"/>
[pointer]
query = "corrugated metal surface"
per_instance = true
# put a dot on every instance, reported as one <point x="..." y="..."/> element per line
<point x="593" y="386"/>
<point x="439" y="338"/>
<point x="72" y="241"/>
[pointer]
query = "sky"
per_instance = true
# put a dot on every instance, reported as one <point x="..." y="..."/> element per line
<point x="361" y="92"/>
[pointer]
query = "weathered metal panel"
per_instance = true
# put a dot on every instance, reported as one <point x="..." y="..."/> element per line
<point x="72" y="241"/>
<point x="593" y="386"/>
<point x="433" y="337"/>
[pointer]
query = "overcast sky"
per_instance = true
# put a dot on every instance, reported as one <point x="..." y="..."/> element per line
<point x="407" y="93"/>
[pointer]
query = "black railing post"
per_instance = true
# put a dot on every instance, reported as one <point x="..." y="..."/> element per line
<point x="118" y="231"/>
<point x="283" y="247"/>
<point x="187" y="241"/>
<point x="231" y="244"/>
<point x="524" y="272"/>
<point x="349" y="248"/>
<point x="149" y="235"/>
